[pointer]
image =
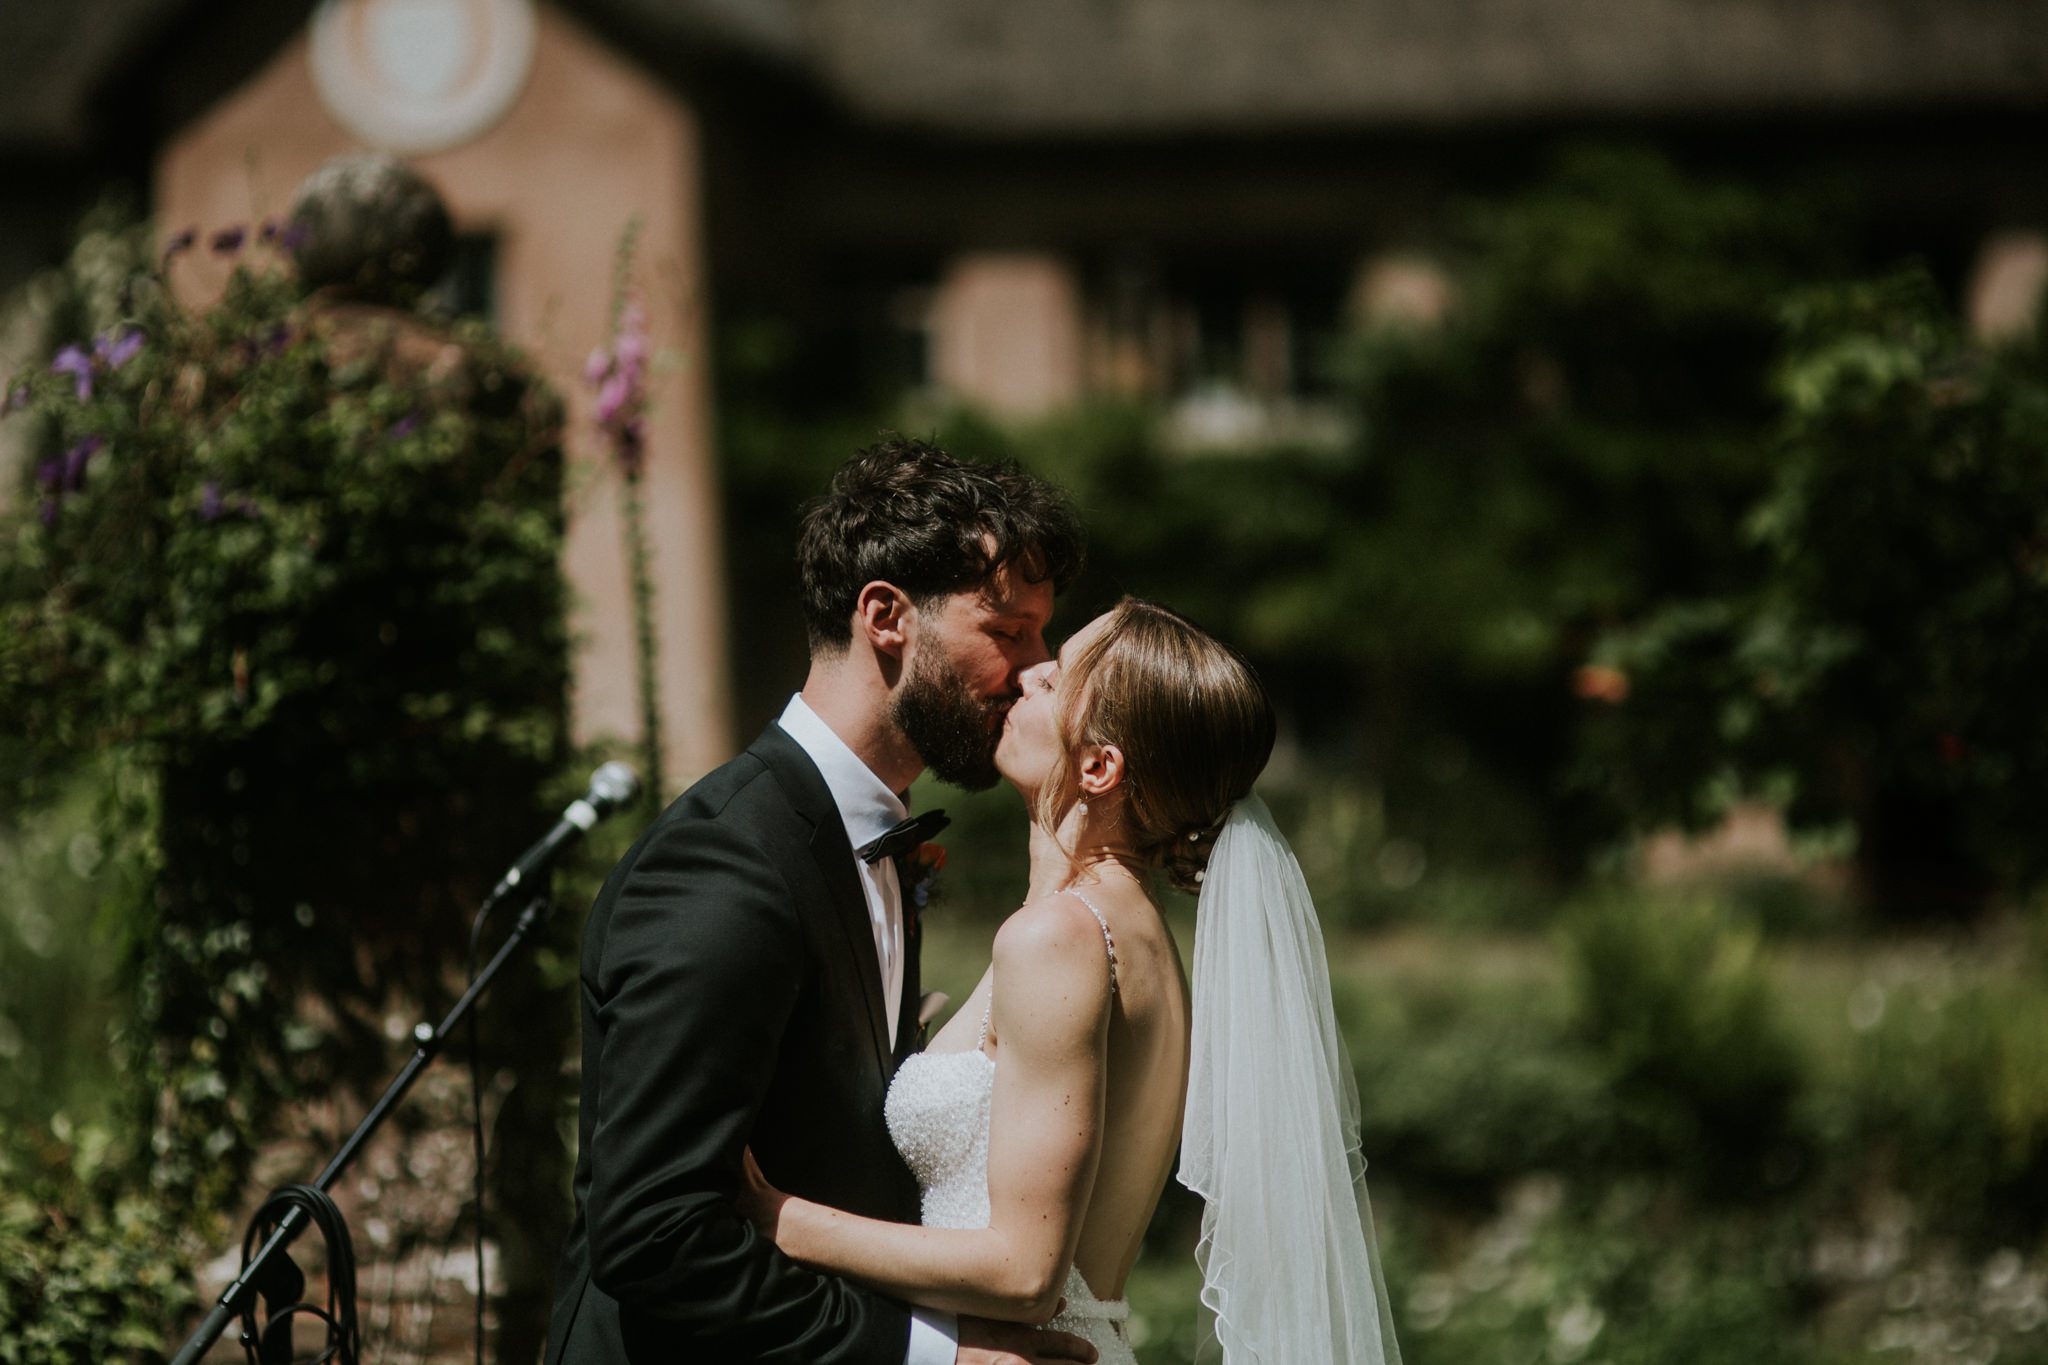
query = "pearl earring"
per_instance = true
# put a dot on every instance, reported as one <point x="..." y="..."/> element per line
<point x="1081" y="809"/>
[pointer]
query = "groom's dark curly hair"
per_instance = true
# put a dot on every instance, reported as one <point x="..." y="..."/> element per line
<point x="905" y="512"/>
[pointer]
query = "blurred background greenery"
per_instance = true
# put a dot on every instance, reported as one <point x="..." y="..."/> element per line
<point x="1653" y="645"/>
<point x="1655" y="635"/>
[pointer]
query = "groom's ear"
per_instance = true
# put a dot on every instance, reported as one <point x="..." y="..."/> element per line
<point x="880" y="612"/>
<point x="1102" y="769"/>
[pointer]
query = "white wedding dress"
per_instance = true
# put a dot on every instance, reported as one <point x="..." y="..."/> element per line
<point x="938" y="1114"/>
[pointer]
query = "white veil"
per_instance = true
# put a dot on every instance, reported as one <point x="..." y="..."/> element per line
<point x="1290" y="1264"/>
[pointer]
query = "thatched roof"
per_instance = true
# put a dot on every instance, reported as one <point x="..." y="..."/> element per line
<point x="1107" y="66"/>
<point x="1110" y="67"/>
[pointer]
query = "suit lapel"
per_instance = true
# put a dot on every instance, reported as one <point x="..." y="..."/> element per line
<point x="832" y="859"/>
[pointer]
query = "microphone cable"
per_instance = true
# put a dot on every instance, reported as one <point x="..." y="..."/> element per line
<point x="273" y="1345"/>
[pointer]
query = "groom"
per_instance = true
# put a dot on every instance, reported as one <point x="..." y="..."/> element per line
<point x="747" y="978"/>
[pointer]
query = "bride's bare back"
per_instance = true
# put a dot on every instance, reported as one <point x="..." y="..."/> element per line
<point x="1143" y="1065"/>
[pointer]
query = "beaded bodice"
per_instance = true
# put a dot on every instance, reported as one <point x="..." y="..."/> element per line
<point x="938" y="1116"/>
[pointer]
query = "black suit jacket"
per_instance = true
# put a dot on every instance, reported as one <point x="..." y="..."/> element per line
<point x="730" y="997"/>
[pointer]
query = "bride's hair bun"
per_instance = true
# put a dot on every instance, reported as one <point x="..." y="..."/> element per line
<point x="1191" y="718"/>
<point x="1187" y="858"/>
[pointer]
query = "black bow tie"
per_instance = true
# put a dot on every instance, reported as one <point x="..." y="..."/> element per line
<point x="904" y="837"/>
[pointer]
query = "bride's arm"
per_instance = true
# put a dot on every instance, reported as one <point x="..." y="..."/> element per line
<point x="1051" y="1022"/>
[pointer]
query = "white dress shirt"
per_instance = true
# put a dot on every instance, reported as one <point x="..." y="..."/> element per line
<point x="868" y="808"/>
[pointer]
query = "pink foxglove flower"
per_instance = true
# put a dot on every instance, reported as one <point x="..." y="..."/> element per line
<point x="619" y="374"/>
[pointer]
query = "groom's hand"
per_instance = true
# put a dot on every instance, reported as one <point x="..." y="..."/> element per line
<point x="984" y="1342"/>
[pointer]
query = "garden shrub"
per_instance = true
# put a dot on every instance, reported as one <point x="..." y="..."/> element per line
<point x="1939" y="1089"/>
<point x="1468" y="1083"/>
<point x="287" y="572"/>
<point x="1674" y="998"/>
<point x="1628" y="1275"/>
<point x="90" y="1268"/>
<point x="1872" y="667"/>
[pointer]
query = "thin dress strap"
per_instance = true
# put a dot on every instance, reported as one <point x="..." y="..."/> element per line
<point x="1108" y="944"/>
<point x="1108" y="941"/>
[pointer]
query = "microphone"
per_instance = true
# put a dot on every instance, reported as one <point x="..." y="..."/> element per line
<point x="612" y="786"/>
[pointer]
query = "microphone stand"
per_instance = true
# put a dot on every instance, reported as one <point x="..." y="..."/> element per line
<point x="429" y="1039"/>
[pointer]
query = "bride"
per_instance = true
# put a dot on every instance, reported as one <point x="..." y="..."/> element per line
<point x="1043" y="1120"/>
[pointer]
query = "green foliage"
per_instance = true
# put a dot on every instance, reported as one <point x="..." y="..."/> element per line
<point x="1577" y="442"/>
<point x="1629" y="1276"/>
<point x="286" y="589"/>
<point x="1658" y="1050"/>
<point x="62" y="983"/>
<point x="1871" y="666"/>
<point x="1673" y="996"/>
<point x="1942" y="1085"/>
<point x="1469" y="1077"/>
<point x="89" y="1270"/>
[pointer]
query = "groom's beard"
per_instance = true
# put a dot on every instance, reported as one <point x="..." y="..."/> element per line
<point x="953" y="731"/>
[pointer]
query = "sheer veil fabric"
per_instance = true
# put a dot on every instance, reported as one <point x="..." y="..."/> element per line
<point x="1290" y="1263"/>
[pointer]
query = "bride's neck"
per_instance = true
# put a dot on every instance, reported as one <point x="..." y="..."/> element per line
<point x="1073" y="853"/>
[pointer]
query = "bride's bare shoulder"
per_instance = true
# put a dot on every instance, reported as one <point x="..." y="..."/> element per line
<point x="1053" y="935"/>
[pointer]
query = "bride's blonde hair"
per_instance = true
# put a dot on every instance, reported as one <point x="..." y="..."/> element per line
<point x="1191" y="718"/>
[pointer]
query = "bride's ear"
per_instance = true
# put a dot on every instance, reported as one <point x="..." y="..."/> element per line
<point x="1102" y="770"/>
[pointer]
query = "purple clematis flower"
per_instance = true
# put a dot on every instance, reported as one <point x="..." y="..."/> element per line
<point x="228" y="241"/>
<point x="122" y="347"/>
<point x="50" y="474"/>
<point x="73" y="360"/>
<point x="77" y="458"/>
<point x="404" y="426"/>
<point x="210" y="502"/>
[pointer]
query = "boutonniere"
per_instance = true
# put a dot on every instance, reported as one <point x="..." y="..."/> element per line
<point x="918" y="871"/>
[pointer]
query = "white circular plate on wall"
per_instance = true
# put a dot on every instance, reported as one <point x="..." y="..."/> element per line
<point x="421" y="75"/>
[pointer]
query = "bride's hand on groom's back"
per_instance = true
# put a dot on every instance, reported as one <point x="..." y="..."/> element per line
<point x="985" y="1342"/>
<point x="759" y="1202"/>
